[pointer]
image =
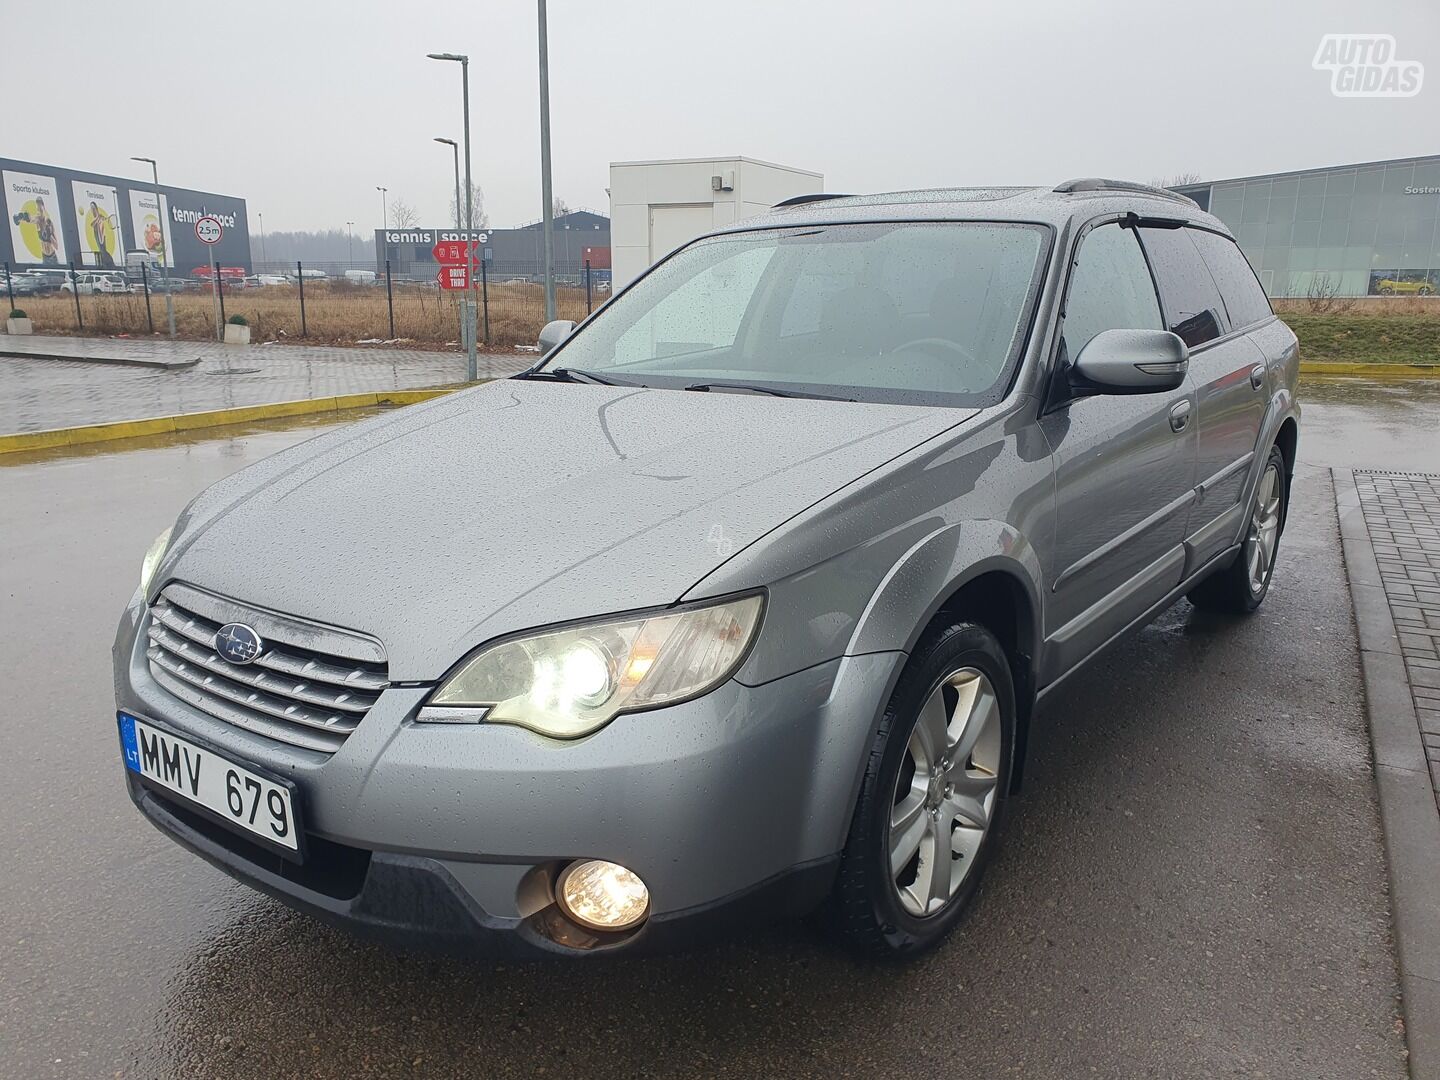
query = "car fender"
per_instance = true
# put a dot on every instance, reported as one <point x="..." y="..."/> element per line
<point x="934" y="570"/>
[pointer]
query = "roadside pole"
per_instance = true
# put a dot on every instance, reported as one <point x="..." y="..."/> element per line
<point x="300" y="279"/>
<point x="547" y="191"/>
<point x="10" y="286"/>
<point x="145" y="288"/>
<point x="208" y="231"/>
<point x="390" y="299"/>
<point x="215" y="290"/>
<point x="75" y="287"/>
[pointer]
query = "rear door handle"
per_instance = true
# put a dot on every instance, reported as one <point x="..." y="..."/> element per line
<point x="1180" y="415"/>
<point x="1257" y="376"/>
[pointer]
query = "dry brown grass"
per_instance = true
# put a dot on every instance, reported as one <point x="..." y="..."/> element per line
<point x="1375" y="306"/>
<point x="336" y="312"/>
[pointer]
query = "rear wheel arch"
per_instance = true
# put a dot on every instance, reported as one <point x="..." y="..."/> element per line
<point x="1288" y="439"/>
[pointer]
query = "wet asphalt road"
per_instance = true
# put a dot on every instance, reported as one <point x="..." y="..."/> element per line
<point x="1193" y="883"/>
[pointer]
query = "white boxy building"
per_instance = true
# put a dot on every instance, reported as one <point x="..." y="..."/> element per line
<point x="655" y="206"/>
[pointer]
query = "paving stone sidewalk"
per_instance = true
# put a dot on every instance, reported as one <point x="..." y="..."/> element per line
<point x="39" y="394"/>
<point x="1402" y="515"/>
<point x="1390" y="530"/>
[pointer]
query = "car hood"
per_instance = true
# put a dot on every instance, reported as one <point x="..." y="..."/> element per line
<point x="524" y="503"/>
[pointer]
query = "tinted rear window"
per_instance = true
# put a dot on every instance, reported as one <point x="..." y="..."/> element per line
<point x="1245" y="300"/>
<point x="1193" y="308"/>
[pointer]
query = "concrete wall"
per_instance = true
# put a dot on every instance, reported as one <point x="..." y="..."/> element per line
<point x="655" y="206"/>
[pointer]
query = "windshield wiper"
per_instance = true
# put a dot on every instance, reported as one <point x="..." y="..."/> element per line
<point x="754" y="388"/>
<point x="577" y="375"/>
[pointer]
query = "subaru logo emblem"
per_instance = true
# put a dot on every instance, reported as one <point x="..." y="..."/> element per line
<point x="237" y="643"/>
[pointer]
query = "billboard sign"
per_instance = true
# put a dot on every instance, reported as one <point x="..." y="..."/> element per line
<point x="32" y="208"/>
<point x="454" y="277"/>
<point x="151" y="222"/>
<point x="58" y="217"/>
<point x="97" y="218"/>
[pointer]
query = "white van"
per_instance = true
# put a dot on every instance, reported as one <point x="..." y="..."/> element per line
<point x="360" y="277"/>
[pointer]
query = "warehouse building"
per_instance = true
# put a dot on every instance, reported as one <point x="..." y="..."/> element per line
<point x="1349" y="230"/>
<point x="580" y="235"/>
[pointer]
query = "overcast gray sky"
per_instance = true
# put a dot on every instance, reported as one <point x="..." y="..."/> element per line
<point x="302" y="108"/>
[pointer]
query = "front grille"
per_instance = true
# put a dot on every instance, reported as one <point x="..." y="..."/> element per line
<point x="310" y="685"/>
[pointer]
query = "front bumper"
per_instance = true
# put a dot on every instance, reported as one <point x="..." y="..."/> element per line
<point x="730" y="807"/>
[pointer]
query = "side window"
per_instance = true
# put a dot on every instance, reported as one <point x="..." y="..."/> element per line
<point x="1110" y="289"/>
<point x="1245" y="300"/>
<point x="1193" y="308"/>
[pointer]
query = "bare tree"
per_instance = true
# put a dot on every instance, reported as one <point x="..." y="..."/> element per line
<point x="560" y="207"/>
<point x="1322" y="296"/>
<point x="402" y="214"/>
<point x="1184" y="179"/>
<point x="477" y="196"/>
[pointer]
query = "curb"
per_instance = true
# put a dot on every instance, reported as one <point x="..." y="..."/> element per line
<point x="1413" y="371"/>
<point x="165" y="425"/>
<point x="130" y="361"/>
<point x="1408" y="815"/>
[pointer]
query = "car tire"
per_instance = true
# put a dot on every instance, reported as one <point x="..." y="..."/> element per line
<point x="1239" y="589"/>
<point x="962" y="790"/>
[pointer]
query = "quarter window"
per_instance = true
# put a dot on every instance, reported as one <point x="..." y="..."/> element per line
<point x="1193" y="308"/>
<point x="1245" y="300"/>
<point x="1110" y="289"/>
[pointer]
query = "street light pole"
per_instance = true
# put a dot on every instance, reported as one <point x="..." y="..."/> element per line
<point x="164" y="261"/>
<point x="263" y="259"/>
<point x="464" y="61"/>
<point x="350" y="241"/>
<point x="384" y="211"/>
<point x="455" y="147"/>
<point x="546" y="192"/>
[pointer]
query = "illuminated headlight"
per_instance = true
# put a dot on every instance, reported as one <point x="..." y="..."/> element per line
<point x="152" y="559"/>
<point x="602" y="895"/>
<point x="567" y="683"/>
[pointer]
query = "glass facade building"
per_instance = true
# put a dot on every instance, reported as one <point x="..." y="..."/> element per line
<point x="1352" y="230"/>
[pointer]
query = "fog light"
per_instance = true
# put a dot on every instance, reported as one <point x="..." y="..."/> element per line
<point x="602" y="895"/>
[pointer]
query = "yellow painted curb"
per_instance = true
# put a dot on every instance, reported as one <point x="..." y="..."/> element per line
<point x="1419" y="371"/>
<point x="245" y="414"/>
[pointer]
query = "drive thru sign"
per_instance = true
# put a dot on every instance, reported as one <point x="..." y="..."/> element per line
<point x="454" y="277"/>
<point x="447" y="252"/>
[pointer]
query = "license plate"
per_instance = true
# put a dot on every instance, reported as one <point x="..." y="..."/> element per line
<point x="231" y="793"/>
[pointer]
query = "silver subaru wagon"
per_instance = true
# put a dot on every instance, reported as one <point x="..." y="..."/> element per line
<point x="739" y="602"/>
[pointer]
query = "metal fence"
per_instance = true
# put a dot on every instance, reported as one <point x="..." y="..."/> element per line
<point x="331" y="301"/>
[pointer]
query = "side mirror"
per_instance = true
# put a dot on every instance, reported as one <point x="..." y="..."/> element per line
<point x="1131" y="362"/>
<point x="554" y="332"/>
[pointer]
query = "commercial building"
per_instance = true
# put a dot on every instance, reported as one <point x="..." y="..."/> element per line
<point x="56" y="216"/>
<point x="659" y="205"/>
<point x="1347" y="230"/>
<point x="509" y="253"/>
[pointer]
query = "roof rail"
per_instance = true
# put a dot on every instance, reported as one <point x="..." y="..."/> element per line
<point x="801" y="200"/>
<point x="1097" y="183"/>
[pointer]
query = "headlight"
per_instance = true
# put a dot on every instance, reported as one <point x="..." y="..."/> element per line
<point x="567" y="683"/>
<point x="152" y="559"/>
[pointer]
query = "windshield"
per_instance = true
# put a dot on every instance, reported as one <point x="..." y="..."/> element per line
<point x="922" y="312"/>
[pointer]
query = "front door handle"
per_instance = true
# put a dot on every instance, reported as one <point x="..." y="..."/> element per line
<point x="1180" y="415"/>
<point x="1257" y="376"/>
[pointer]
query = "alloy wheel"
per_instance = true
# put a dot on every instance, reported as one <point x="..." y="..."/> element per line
<point x="945" y="792"/>
<point x="1264" y="532"/>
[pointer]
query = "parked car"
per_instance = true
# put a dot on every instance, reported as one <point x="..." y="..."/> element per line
<point x="23" y="284"/>
<point x="740" y="600"/>
<point x="48" y="280"/>
<point x="273" y="279"/>
<point x="86" y="282"/>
